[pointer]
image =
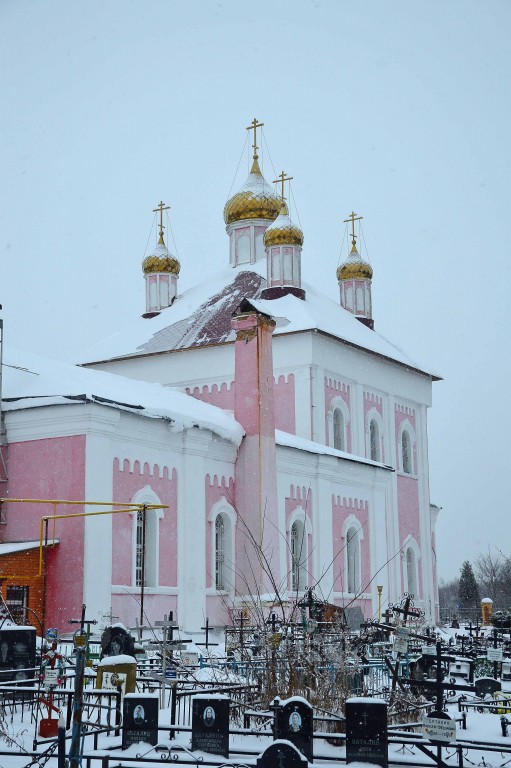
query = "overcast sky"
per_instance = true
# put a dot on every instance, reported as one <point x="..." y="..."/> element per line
<point x="397" y="109"/>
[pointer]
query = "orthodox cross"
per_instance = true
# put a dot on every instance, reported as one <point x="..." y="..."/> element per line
<point x="353" y="218"/>
<point x="161" y="207"/>
<point x="253" y="127"/>
<point x="207" y="629"/>
<point x="282" y="178"/>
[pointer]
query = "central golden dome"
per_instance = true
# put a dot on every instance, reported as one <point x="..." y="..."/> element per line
<point x="283" y="231"/>
<point x="255" y="199"/>
<point x="354" y="268"/>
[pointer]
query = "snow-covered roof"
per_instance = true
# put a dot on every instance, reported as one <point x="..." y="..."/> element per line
<point x="202" y="316"/>
<point x="10" y="547"/>
<point x="30" y="381"/>
<point x="302" y="444"/>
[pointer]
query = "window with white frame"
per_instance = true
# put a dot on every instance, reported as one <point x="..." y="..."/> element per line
<point x="406" y="452"/>
<point x="411" y="572"/>
<point x="146" y="524"/>
<point x="339" y="430"/>
<point x="223" y="521"/>
<point x="298" y="547"/>
<point x="374" y="440"/>
<point x="353" y="560"/>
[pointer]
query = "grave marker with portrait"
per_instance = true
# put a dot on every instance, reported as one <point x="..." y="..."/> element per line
<point x="210" y="724"/>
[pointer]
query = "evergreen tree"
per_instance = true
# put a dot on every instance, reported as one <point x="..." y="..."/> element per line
<point x="468" y="591"/>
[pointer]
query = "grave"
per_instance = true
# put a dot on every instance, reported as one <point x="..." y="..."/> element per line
<point x="281" y="754"/>
<point x="17" y="654"/>
<point x="294" y="723"/>
<point x="140" y="719"/>
<point x="366" y="731"/>
<point x="486" y="685"/>
<point x="210" y="724"/>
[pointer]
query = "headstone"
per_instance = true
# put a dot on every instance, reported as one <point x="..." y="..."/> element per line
<point x="210" y="724"/>
<point x="140" y="719"/>
<point x="366" y="731"/>
<point x="115" y="676"/>
<point x="117" y="641"/>
<point x="17" y="654"/>
<point x="486" y="685"/>
<point x="439" y="728"/>
<point x="294" y="723"/>
<point x="281" y="754"/>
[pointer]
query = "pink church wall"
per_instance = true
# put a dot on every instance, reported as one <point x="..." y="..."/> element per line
<point x="222" y="396"/>
<point x="342" y="508"/>
<point x="285" y="404"/>
<point x="408" y="515"/>
<point x="335" y="388"/>
<point x="52" y="468"/>
<point x="127" y="481"/>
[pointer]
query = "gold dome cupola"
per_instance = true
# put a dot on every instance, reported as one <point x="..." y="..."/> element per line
<point x="283" y="241"/>
<point x="248" y="212"/>
<point x="354" y="277"/>
<point x="161" y="271"/>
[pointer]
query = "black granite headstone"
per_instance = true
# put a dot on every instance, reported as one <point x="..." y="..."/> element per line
<point x="140" y="720"/>
<point x="210" y="724"/>
<point x="294" y="721"/>
<point x="117" y="641"/>
<point x="281" y="754"/>
<point x="17" y="654"/>
<point x="366" y="732"/>
<point x="486" y="685"/>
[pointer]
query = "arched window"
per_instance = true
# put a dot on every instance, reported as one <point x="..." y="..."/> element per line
<point x="374" y="439"/>
<point x="298" y="546"/>
<point x="353" y="560"/>
<point x="220" y="552"/>
<point x="339" y="442"/>
<point x="406" y="452"/>
<point x="146" y="542"/>
<point x="411" y="572"/>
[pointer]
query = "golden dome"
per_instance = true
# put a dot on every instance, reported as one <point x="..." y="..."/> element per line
<point x="283" y="231"/>
<point x="161" y="261"/>
<point x="354" y="268"/>
<point x="255" y="199"/>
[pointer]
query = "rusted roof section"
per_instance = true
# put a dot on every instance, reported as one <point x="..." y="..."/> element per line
<point x="211" y="322"/>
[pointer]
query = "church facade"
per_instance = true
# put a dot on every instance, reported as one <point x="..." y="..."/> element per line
<point x="275" y="442"/>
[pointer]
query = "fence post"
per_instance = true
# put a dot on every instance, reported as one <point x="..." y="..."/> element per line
<point x="173" y="702"/>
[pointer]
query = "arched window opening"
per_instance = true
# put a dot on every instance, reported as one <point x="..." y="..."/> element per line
<point x="406" y="452"/>
<point x="220" y="552"/>
<point x="353" y="558"/>
<point x="411" y="572"/>
<point x="146" y="558"/>
<point x="374" y="438"/>
<point x="298" y="556"/>
<point x="338" y="430"/>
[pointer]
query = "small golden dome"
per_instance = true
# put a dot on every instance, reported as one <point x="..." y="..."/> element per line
<point x="161" y="261"/>
<point x="255" y="199"/>
<point x="283" y="231"/>
<point x="354" y="268"/>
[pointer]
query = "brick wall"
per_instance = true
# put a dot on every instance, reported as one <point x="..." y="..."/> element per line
<point x="21" y="569"/>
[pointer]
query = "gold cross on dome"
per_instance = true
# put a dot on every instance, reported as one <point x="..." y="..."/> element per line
<point x="253" y="127"/>
<point x="353" y="218"/>
<point x="282" y="178"/>
<point x="161" y="207"/>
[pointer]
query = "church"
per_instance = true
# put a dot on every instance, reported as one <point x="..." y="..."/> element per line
<point x="242" y="442"/>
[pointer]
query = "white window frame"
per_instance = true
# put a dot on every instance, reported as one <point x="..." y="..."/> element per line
<point x="338" y="403"/>
<point x="229" y="517"/>
<point x="410" y="546"/>
<point x="405" y="426"/>
<point x="374" y="415"/>
<point x="302" y="568"/>
<point x="352" y="522"/>
<point x="147" y="496"/>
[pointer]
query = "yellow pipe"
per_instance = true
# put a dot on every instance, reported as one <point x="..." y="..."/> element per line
<point x="127" y="507"/>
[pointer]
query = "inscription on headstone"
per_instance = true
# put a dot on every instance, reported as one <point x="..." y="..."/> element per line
<point x="210" y="724"/>
<point x="366" y="731"/>
<point x="140" y="719"/>
<point x="281" y="754"/>
<point x="294" y="720"/>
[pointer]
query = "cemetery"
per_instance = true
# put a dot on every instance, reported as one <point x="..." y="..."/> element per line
<point x="300" y="687"/>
